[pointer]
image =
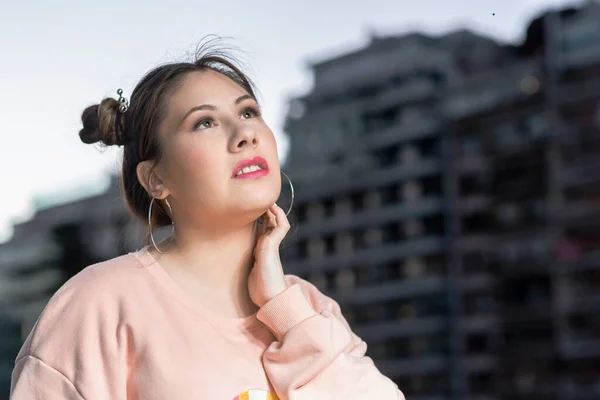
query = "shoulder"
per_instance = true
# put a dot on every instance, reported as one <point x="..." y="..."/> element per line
<point x="318" y="300"/>
<point x="98" y="285"/>
<point x="86" y="307"/>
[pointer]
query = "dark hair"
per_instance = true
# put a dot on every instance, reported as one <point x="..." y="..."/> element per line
<point x="137" y="129"/>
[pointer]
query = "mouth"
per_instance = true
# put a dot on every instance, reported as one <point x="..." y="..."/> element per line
<point x="251" y="168"/>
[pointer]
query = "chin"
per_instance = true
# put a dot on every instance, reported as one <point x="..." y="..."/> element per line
<point x="256" y="202"/>
<point x="259" y="197"/>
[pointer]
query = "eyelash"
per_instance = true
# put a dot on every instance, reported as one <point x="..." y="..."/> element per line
<point x="252" y="110"/>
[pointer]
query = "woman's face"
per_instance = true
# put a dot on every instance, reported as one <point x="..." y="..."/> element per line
<point x="213" y="124"/>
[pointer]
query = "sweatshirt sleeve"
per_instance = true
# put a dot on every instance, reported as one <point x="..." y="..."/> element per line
<point x="78" y="347"/>
<point x="316" y="355"/>
<point x="35" y="380"/>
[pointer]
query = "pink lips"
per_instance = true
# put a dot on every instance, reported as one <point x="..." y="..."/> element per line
<point x="261" y="162"/>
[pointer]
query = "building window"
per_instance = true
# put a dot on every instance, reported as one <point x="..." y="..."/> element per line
<point x="300" y="212"/>
<point x="357" y="199"/>
<point x="391" y="232"/>
<point x="479" y="303"/>
<point x="366" y="275"/>
<point x="389" y="194"/>
<point x="405" y="312"/>
<point x="386" y="157"/>
<point x="315" y="211"/>
<point x="372" y="199"/>
<point x="410" y="116"/>
<point x="579" y="36"/>
<point x="409" y="155"/>
<point x="471" y="146"/>
<point x="411" y="191"/>
<point x="536" y="126"/>
<point x="319" y="280"/>
<point x="373" y="237"/>
<point x="343" y="206"/>
<point x="430" y="148"/>
<point x="297" y="109"/>
<point x="345" y="279"/>
<point x="316" y="247"/>
<point x="481" y="382"/>
<point x="475" y="262"/>
<point x="362" y="163"/>
<point x="413" y="228"/>
<point x="414" y="267"/>
<point x="508" y="214"/>
<point x="507" y="136"/>
<point x="392" y="270"/>
<point x="344" y="243"/>
<point x="377" y="350"/>
<point x="350" y="315"/>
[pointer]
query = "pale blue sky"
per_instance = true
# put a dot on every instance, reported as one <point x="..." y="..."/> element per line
<point x="59" y="56"/>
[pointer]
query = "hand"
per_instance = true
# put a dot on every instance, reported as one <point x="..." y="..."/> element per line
<point x="266" y="279"/>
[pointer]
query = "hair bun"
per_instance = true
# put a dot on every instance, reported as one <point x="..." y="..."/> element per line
<point x="99" y="123"/>
<point x="89" y="134"/>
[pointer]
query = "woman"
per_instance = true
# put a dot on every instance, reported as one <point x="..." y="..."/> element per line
<point x="208" y="313"/>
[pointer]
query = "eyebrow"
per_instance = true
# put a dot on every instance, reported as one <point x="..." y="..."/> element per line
<point x="212" y="107"/>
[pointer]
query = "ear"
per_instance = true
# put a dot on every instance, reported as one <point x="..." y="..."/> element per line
<point x="150" y="179"/>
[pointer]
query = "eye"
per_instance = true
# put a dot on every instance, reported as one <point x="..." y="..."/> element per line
<point x="205" y="123"/>
<point x="249" y="112"/>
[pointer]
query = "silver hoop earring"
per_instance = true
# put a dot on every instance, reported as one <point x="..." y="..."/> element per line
<point x="291" y="189"/>
<point x="150" y="223"/>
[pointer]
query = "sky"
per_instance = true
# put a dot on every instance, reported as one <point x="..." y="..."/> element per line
<point x="57" y="57"/>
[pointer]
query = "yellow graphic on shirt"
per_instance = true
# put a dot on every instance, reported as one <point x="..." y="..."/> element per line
<point x="256" y="395"/>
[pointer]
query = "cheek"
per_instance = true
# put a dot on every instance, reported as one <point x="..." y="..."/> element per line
<point x="193" y="166"/>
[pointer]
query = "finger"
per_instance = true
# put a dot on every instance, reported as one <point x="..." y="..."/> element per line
<point x="281" y="218"/>
<point x="272" y="219"/>
<point x="282" y="227"/>
<point x="264" y="224"/>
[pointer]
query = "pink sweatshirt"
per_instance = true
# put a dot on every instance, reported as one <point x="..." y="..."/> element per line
<point x="123" y="329"/>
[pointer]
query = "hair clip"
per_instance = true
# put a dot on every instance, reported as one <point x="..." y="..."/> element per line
<point x="124" y="106"/>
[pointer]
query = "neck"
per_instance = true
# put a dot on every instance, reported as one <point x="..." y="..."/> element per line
<point x="214" y="266"/>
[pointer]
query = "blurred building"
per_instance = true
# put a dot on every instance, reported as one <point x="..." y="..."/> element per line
<point x="46" y="251"/>
<point x="447" y="198"/>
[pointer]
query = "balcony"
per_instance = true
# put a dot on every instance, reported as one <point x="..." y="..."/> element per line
<point x="415" y="91"/>
<point x="26" y="253"/>
<point x="519" y="316"/>
<point x="394" y="329"/>
<point x="473" y="164"/>
<point x="477" y="282"/>
<point x="580" y="91"/>
<point x="490" y="90"/>
<point x="581" y="298"/>
<point x="402" y="133"/>
<point x="15" y="289"/>
<point x="412" y="366"/>
<point x="479" y="363"/>
<point x="581" y="213"/>
<point x="480" y="323"/>
<point x="370" y="217"/>
<point x="372" y="256"/>
<point x="577" y="348"/>
<point x="407" y="288"/>
<point x="581" y="173"/>
<point x="528" y="349"/>
<point x="523" y="267"/>
<point x="476" y="242"/>
<point x="474" y="203"/>
<point x="376" y="178"/>
<point x="589" y="260"/>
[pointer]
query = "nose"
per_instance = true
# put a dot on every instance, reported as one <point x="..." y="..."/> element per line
<point x="244" y="136"/>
